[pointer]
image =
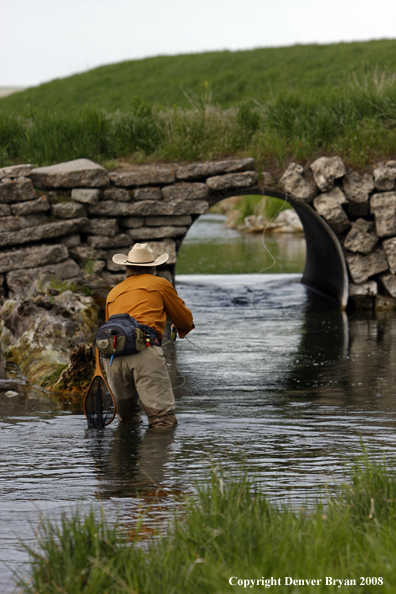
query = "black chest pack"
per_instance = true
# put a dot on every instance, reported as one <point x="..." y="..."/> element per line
<point x="123" y="335"/>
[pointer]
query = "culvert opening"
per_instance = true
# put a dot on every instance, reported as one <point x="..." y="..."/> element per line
<point x="211" y="248"/>
<point x="240" y="235"/>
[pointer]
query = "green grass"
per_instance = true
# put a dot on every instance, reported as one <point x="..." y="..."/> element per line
<point x="273" y="104"/>
<point x="231" y="529"/>
<point x="234" y="77"/>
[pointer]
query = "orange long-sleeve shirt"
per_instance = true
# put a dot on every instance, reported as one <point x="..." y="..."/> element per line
<point x="148" y="299"/>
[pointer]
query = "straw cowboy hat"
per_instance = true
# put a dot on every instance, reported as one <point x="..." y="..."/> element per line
<point x="140" y="255"/>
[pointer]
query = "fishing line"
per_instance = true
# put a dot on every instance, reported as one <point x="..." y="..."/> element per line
<point x="267" y="250"/>
<point x="254" y="286"/>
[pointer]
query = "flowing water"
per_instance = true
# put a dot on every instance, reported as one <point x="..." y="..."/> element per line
<point x="276" y="380"/>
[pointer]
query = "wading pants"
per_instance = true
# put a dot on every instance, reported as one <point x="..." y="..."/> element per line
<point x="142" y="380"/>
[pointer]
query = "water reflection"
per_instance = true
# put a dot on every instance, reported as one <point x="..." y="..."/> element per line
<point x="211" y="248"/>
<point x="131" y="461"/>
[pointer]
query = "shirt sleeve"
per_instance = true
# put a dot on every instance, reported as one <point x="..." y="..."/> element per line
<point x="180" y="315"/>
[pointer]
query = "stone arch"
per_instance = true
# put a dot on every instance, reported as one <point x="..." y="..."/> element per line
<point x="325" y="267"/>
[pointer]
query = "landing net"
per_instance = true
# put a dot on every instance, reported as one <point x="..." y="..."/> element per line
<point x="99" y="406"/>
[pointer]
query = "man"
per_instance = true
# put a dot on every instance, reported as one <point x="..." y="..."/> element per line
<point x="142" y="379"/>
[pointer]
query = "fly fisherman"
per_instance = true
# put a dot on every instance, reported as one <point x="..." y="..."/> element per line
<point x="142" y="379"/>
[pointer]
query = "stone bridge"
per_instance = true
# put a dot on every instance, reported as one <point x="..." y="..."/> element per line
<point x="66" y="221"/>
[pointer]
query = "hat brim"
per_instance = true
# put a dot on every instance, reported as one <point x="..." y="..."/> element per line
<point x="123" y="260"/>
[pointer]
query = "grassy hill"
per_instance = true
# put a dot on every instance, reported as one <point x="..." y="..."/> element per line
<point x="274" y="104"/>
<point x="233" y="77"/>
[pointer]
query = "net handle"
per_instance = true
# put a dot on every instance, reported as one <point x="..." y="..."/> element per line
<point x="99" y="373"/>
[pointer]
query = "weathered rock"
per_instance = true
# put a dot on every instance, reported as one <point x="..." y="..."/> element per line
<point x="31" y="207"/>
<point x="15" y="171"/>
<point x="211" y="168"/>
<point x="42" y="340"/>
<point x="70" y="241"/>
<point x="389" y="246"/>
<point x="145" y="175"/>
<point x="28" y="282"/>
<point x="147" y="194"/>
<point x="384" y="177"/>
<point x="388" y="280"/>
<point x="383" y="206"/>
<point x="16" y="190"/>
<point x="253" y="224"/>
<point x="360" y="238"/>
<point x="132" y="222"/>
<point x="108" y="227"/>
<point x="363" y="296"/>
<point x="98" y="266"/>
<point x="357" y="189"/>
<point x="84" y="253"/>
<point x="268" y="179"/>
<point x="112" y="279"/>
<point x="148" y="208"/>
<point x="79" y="173"/>
<point x="362" y="267"/>
<point x="182" y="221"/>
<point x="118" y="194"/>
<point x="326" y="170"/>
<point x="328" y="205"/>
<point x="294" y="183"/>
<point x="156" y="232"/>
<point x="47" y="231"/>
<point x="85" y="195"/>
<point x="185" y="191"/>
<point x="112" y="266"/>
<point x="229" y="181"/>
<point x="167" y="246"/>
<point x="5" y="210"/>
<point x="384" y="303"/>
<point x="68" y="210"/>
<point x="104" y="243"/>
<point x="288" y="221"/>
<point x="15" y="223"/>
<point x="32" y="257"/>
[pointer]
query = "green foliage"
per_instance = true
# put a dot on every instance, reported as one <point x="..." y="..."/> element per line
<point x="266" y="206"/>
<point x="230" y="529"/>
<point x="231" y="77"/>
<point x="273" y="104"/>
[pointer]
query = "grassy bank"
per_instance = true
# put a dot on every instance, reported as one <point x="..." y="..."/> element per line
<point x="231" y="531"/>
<point x="259" y="74"/>
<point x="274" y="104"/>
<point x="357" y="123"/>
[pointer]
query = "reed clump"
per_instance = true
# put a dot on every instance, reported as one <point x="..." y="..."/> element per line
<point x="231" y="530"/>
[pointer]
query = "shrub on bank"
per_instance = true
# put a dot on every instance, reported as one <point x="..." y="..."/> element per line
<point x="231" y="530"/>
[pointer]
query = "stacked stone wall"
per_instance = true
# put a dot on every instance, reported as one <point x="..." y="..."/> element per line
<point x="66" y="221"/>
<point x="361" y="210"/>
<point x="69" y="219"/>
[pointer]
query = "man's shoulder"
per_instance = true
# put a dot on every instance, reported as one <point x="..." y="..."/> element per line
<point x="161" y="282"/>
<point x="118" y="288"/>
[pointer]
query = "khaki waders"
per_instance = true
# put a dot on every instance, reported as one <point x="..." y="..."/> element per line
<point x="142" y="380"/>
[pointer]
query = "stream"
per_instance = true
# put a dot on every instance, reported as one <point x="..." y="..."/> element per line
<point x="275" y="380"/>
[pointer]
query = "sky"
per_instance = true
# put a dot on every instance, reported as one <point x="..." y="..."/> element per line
<point x="41" y="40"/>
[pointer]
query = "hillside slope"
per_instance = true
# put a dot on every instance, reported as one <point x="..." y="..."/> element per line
<point x="232" y="76"/>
